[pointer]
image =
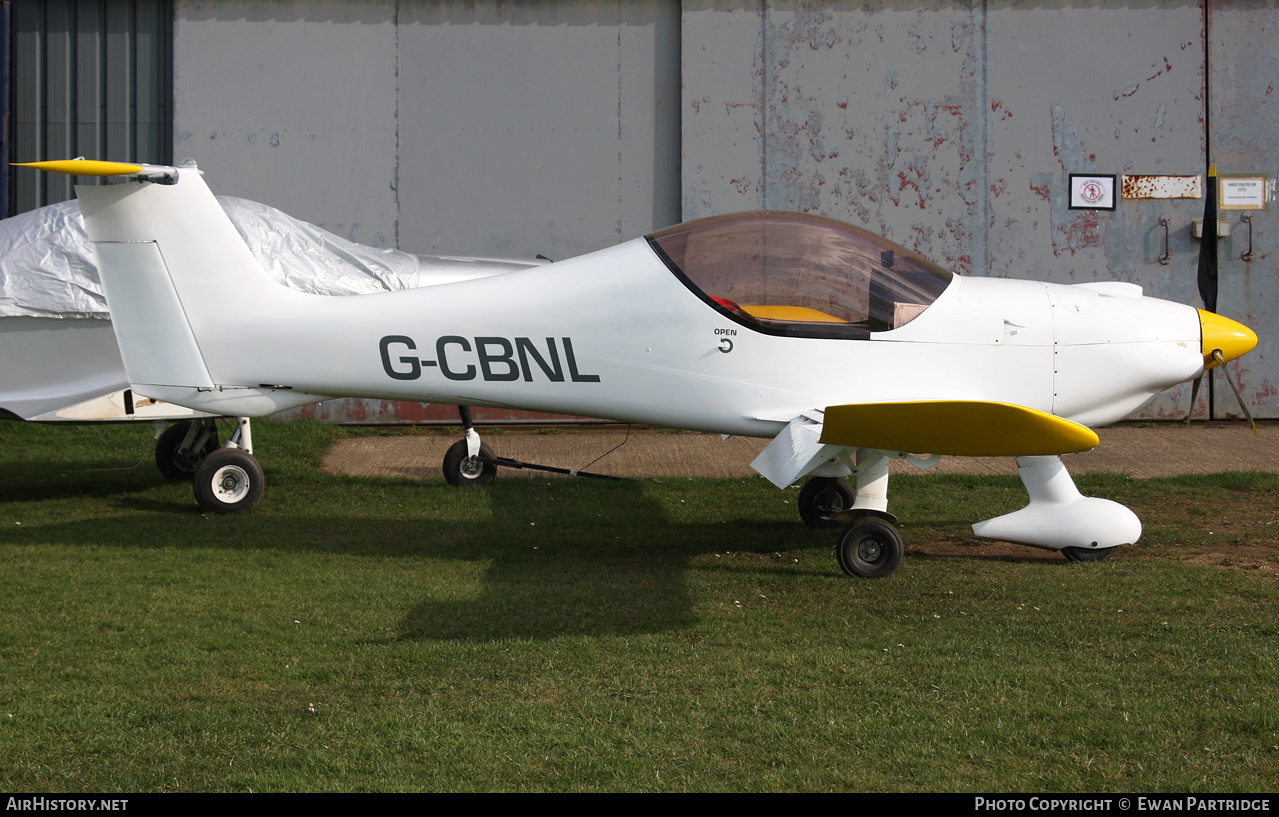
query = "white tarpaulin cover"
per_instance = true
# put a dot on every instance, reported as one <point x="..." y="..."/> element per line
<point x="47" y="266"/>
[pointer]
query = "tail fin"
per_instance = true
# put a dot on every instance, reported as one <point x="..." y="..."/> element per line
<point x="173" y="268"/>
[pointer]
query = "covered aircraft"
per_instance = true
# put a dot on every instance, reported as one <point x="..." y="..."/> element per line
<point x="843" y="348"/>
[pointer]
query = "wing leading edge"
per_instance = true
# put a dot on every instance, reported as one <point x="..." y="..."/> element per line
<point x="965" y="428"/>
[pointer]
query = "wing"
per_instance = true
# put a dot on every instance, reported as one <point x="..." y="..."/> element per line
<point x="966" y="428"/>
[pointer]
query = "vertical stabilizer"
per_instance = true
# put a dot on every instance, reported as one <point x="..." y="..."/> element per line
<point x="177" y="277"/>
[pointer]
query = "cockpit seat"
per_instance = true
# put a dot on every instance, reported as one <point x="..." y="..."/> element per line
<point x="789" y="314"/>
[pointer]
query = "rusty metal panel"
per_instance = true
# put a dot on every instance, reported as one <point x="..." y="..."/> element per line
<point x="860" y="111"/>
<point x="1162" y="187"/>
<point x="1095" y="87"/>
<point x="723" y="110"/>
<point x="948" y="127"/>
<point x="953" y="129"/>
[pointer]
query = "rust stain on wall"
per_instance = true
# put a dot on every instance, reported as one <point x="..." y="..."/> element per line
<point x="1161" y="187"/>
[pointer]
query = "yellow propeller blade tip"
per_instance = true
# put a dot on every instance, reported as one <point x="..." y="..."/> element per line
<point x="84" y="167"/>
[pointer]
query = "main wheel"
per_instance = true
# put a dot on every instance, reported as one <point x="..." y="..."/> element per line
<point x="870" y="548"/>
<point x="1088" y="554"/>
<point x="228" y="481"/>
<point x="460" y="469"/>
<point x="176" y="464"/>
<point x="822" y="496"/>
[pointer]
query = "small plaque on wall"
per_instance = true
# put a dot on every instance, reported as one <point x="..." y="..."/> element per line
<point x="1243" y="192"/>
<point x="1092" y="192"/>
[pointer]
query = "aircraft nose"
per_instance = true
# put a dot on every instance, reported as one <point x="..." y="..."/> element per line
<point x="1232" y="338"/>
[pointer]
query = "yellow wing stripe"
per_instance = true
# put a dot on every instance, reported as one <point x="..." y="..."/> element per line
<point x="84" y="167"/>
<point x="966" y="428"/>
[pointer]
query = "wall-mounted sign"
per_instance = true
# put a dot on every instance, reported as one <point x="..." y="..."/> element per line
<point x="1163" y="187"/>
<point x="1092" y="192"/>
<point x="1243" y="192"/>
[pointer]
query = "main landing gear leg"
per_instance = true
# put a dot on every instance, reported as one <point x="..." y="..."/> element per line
<point x="182" y="446"/>
<point x="464" y="461"/>
<point x="870" y="546"/>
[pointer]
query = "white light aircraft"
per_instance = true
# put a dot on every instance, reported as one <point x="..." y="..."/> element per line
<point x="843" y="348"/>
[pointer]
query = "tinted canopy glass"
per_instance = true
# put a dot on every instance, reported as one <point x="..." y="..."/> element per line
<point x="796" y="274"/>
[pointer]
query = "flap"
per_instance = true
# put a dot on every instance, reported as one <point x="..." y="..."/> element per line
<point x="966" y="428"/>
<point x="795" y="451"/>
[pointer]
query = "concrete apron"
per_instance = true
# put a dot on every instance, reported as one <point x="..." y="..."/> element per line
<point x="1141" y="452"/>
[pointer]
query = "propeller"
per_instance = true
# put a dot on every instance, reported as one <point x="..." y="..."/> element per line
<point x="1208" y="246"/>
<point x="1207" y="279"/>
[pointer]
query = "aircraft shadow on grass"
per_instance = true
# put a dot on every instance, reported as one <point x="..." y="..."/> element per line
<point x="547" y="573"/>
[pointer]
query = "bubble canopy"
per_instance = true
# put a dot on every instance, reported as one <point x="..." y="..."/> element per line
<point x="801" y="275"/>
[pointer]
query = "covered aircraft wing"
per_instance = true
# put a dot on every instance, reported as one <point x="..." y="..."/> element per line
<point x="968" y="428"/>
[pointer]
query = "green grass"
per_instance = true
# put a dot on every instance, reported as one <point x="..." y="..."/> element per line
<point x="689" y="635"/>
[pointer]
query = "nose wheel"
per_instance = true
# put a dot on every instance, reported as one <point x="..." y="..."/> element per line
<point x="469" y="462"/>
<point x="462" y="470"/>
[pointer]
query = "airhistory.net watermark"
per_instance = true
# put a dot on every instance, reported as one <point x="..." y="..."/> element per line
<point x="38" y="803"/>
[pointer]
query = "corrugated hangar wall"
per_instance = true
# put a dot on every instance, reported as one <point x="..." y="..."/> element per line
<point x="501" y="128"/>
<point x="90" y="78"/>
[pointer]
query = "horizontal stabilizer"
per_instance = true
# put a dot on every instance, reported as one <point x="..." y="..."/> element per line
<point x="92" y="167"/>
<point x="965" y="428"/>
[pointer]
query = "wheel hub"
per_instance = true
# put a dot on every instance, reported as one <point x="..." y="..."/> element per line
<point x="471" y="467"/>
<point x="231" y="483"/>
<point x="869" y="550"/>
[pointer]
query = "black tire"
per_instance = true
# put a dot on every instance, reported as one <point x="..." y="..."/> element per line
<point x="1088" y="554"/>
<point x="870" y="548"/>
<point x="463" y="471"/>
<point x="175" y="464"/>
<point x="822" y="496"/>
<point x="228" y="481"/>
